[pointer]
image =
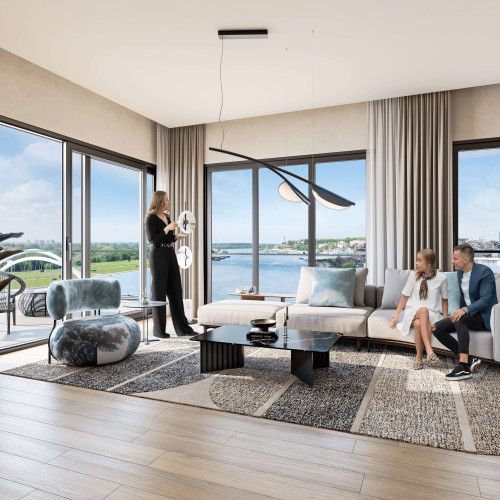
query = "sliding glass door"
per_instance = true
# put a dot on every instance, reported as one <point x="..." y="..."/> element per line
<point x="105" y="208"/>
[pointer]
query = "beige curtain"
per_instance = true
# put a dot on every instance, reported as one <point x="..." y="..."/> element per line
<point x="180" y="173"/>
<point x="409" y="182"/>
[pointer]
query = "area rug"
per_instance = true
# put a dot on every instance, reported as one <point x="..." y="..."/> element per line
<point x="374" y="393"/>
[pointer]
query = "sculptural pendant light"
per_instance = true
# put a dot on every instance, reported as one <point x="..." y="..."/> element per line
<point x="286" y="189"/>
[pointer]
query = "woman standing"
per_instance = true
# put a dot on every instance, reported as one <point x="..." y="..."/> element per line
<point x="421" y="296"/>
<point x="165" y="276"/>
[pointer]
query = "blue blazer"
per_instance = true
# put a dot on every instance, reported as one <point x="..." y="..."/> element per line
<point x="482" y="292"/>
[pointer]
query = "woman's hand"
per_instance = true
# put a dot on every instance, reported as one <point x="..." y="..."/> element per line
<point x="394" y="321"/>
<point x="170" y="227"/>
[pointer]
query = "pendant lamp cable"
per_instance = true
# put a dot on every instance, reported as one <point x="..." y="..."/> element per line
<point x="312" y="98"/>
<point x="221" y="92"/>
<point x="286" y="108"/>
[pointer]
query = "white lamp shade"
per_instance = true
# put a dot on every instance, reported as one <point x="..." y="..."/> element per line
<point x="329" y="204"/>
<point x="288" y="193"/>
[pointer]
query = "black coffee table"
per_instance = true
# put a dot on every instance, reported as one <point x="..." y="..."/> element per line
<point x="222" y="348"/>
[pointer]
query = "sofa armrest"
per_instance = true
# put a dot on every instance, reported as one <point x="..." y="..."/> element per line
<point x="380" y="293"/>
<point x="495" y="331"/>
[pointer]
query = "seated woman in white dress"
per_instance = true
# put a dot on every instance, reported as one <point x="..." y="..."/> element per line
<point x="423" y="291"/>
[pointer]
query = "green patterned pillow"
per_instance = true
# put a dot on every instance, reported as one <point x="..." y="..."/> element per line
<point x="333" y="287"/>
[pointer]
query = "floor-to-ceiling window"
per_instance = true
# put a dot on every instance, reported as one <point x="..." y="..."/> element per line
<point x="81" y="210"/>
<point x="477" y="191"/>
<point x="30" y="203"/>
<point x="275" y="237"/>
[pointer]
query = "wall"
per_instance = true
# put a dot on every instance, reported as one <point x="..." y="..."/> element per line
<point x="33" y="95"/>
<point x="475" y="115"/>
<point x="339" y="128"/>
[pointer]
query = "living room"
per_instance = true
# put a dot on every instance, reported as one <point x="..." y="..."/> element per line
<point x="85" y="78"/>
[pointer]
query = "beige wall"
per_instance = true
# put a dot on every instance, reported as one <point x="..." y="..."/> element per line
<point x="475" y="115"/>
<point x="33" y="95"/>
<point x="339" y="128"/>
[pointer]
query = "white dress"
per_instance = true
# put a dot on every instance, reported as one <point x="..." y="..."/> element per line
<point x="437" y="289"/>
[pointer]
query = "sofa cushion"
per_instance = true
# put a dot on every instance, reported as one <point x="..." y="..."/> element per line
<point x="332" y="288"/>
<point x="395" y="281"/>
<point x="481" y="342"/>
<point x="349" y="322"/>
<point x="238" y="312"/>
<point x="305" y="286"/>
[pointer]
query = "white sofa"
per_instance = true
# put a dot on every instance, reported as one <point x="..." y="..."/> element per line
<point x="366" y="320"/>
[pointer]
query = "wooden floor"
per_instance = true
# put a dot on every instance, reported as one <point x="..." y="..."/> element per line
<point x="58" y="441"/>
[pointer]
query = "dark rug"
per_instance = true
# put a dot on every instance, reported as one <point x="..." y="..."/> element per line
<point x="374" y="393"/>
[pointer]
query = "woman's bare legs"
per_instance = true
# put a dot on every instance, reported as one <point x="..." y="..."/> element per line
<point x="419" y="344"/>
<point x="425" y="331"/>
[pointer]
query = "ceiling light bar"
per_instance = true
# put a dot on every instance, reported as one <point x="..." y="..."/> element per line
<point x="242" y="34"/>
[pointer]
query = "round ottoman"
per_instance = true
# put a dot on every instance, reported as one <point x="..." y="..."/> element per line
<point x="95" y="340"/>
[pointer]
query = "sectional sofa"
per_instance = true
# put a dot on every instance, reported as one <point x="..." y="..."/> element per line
<point x="367" y="320"/>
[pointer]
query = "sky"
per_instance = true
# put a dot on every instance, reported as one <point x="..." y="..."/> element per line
<point x="281" y="219"/>
<point x="31" y="193"/>
<point x="31" y="197"/>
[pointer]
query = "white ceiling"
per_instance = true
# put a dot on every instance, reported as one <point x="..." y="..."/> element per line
<point x="161" y="58"/>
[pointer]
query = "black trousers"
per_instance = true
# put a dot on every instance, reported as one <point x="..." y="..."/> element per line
<point x="166" y="282"/>
<point x="445" y="327"/>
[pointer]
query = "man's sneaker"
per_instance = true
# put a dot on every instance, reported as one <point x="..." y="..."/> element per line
<point x="474" y="364"/>
<point x="460" y="372"/>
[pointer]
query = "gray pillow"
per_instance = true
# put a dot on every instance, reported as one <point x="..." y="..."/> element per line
<point x="305" y="286"/>
<point x="395" y="281"/>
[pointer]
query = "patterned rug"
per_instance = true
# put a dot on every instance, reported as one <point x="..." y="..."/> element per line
<point x="374" y="393"/>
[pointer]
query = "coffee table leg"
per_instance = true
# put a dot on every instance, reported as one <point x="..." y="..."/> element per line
<point x="215" y="356"/>
<point x="321" y="359"/>
<point x="302" y="366"/>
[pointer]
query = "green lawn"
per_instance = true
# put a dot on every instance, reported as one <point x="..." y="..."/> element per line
<point x="36" y="279"/>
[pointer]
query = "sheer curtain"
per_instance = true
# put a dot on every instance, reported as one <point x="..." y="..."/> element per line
<point x="409" y="182"/>
<point x="180" y="173"/>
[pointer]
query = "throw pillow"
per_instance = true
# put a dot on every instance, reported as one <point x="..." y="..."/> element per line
<point x="332" y="287"/>
<point x="395" y="281"/>
<point x="305" y="286"/>
<point x="453" y="293"/>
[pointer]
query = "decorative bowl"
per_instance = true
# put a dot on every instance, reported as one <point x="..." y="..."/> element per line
<point x="263" y="324"/>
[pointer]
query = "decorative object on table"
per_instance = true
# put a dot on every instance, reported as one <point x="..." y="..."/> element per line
<point x="263" y="325"/>
<point x="186" y="222"/>
<point x="94" y="340"/>
<point x="184" y="257"/>
<point x="145" y="299"/>
<point x="252" y="289"/>
<point x="285" y="324"/>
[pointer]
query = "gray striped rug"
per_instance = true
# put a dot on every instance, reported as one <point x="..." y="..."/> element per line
<point x="374" y="393"/>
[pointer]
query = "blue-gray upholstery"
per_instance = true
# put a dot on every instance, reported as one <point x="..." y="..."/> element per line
<point x="67" y="296"/>
<point x="92" y="340"/>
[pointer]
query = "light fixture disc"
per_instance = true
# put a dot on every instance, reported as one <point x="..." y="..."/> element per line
<point x="186" y="222"/>
<point x="184" y="257"/>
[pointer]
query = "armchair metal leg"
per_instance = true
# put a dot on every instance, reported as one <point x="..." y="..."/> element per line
<point x="358" y="345"/>
<point x="48" y="342"/>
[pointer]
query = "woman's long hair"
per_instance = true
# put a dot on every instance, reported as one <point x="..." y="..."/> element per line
<point x="156" y="203"/>
<point x="430" y="257"/>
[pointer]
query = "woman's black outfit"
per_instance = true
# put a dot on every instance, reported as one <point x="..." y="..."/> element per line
<point x="165" y="279"/>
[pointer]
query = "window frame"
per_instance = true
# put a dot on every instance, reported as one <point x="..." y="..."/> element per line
<point x="310" y="160"/>
<point x="458" y="147"/>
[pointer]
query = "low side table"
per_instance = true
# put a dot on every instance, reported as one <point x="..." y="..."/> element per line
<point x="139" y="305"/>
<point x="262" y="296"/>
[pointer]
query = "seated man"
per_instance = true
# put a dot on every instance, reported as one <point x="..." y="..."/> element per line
<point x="477" y="297"/>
